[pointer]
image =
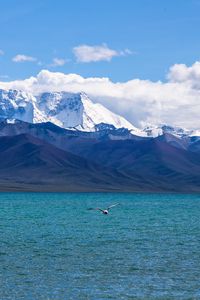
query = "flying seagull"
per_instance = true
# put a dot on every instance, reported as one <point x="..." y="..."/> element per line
<point x="104" y="211"/>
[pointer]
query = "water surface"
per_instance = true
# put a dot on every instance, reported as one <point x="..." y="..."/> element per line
<point x="52" y="247"/>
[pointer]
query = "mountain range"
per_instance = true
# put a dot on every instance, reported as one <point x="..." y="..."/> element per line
<point x="66" y="142"/>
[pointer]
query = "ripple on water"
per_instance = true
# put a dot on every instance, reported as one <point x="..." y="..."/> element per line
<point x="52" y="247"/>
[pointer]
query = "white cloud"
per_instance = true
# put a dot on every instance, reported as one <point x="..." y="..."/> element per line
<point x="1" y="52"/>
<point x="23" y="58"/>
<point x="175" y="102"/>
<point x="86" y="53"/>
<point x="58" y="62"/>
<point x="182" y="73"/>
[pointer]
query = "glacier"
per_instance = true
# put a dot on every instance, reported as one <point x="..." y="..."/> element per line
<point x="75" y="111"/>
<point x="67" y="110"/>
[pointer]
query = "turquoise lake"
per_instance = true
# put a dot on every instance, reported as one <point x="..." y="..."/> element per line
<point x="53" y="248"/>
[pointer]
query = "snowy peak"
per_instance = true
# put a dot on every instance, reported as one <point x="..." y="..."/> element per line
<point x="155" y="131"/>
<point x="67" y="110"/>
<point x="96" y="113"/>
<point x="15" y="104"/>
<point x="74" y="111"/>
<point x="63" y="109"/>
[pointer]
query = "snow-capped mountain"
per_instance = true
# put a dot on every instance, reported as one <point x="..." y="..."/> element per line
<point x="16" y="105"/>
<point x="74" y="111"/>
<point x="155" y="131"/>
<point x="106" y="154"/>
<point x="67" y="110"/>
<point x="71" y="110"/>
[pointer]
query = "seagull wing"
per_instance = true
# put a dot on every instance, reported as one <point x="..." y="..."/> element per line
<point x="112" y="206"/>
<point x="96" y="208"/>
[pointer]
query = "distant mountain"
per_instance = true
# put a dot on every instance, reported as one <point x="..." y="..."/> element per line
<point x="74" y="111"/>
<point x="67" y="110"/>
<point x="65" y="138"/>
<point x="27" y="163"/>
<point x="155" y="131"/>
<point x="46" y="157"/>
<point x="65" y="142"/>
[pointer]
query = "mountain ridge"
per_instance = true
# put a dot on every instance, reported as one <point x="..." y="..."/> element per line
<point x="104" y="152"/>
<point x="131" y="164"/>
<point x="74" y="111"/>
<point x="67" y="110"/>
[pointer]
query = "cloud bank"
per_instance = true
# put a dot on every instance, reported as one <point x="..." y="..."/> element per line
<point x="142" y="102"/>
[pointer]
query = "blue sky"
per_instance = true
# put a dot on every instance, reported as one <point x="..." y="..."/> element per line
<point x="158" y="33"/>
